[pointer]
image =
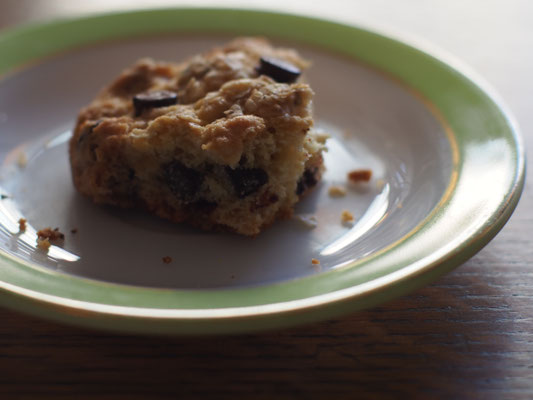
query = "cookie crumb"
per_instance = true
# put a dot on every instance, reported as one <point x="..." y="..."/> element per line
<point x="47" y="235"/>
<point x="22" y="224"/>
<point x="22" y="160"/>
<point x="167" y="259"/>
<point x="399" y="205"/>
<point x="322" y="137"/>
<point x="43" y="244"/>
<point x="50" y="234"/>
<point x="360" y="175"/>
<point x="309" y="221"/>
<point x="347" y="217"/>
<point x="337" y="191"/>
<point x="74" y="231"/>
<point x="314" y="261"/>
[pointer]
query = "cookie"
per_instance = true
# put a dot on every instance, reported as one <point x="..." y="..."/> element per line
<point x="223" y="140"/>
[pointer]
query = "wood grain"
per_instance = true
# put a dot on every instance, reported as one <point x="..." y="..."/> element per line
<point x="468" y="336"/>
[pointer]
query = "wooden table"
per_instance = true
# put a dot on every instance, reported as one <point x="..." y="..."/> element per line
<point x="469" y="335"/>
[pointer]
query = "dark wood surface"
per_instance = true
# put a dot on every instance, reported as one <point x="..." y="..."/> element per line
<point x="469" y="335"/>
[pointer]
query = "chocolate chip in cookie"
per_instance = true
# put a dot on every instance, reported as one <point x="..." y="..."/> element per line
<point x="307" y="180"/>
<point x="182" y="181"/>
<point x="279" y="70"/>
<point x="153" y="99"/>
<point x="246" y="181"/>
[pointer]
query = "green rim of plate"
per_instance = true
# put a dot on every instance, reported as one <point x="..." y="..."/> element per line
<point x="448" y="237"/>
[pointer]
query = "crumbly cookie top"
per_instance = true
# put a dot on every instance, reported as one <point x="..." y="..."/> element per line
<point x="222" y="101"/>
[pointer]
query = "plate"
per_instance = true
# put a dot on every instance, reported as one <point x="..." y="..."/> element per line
<point x="447" y="162"/>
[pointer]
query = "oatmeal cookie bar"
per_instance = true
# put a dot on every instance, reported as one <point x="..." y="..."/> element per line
<point x="222" y="140"/>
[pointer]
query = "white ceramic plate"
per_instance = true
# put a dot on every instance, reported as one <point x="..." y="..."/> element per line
<point x="376" y="120"/>
<point x="374" y="123"/>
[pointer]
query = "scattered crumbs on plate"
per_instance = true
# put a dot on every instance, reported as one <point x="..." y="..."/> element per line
<point x="314" y="261"/>
<point x="337" y="191"/>
<point x="50" y="234"/>
<point x="74" y="231"/>
<point x="309" y="221"/>
<point x="347" y="217"/>
<point x="47" y="235"/>
<point x="167" y="259"/>
<point x="43" y="244"/>
<point x="22" y="159"/>
<point x="380" y="183"/>
<point x="22" y="224"/>
<point x="360" y="175"/>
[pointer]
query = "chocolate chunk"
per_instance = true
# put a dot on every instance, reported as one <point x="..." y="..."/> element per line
<point x="183" y="181"/>
<point x="279" y="70"/>
<point x="204" y="206"/>
<point x="154" y="99"/>
<point x="246" y="181"/>
<point x="87" y="131"/>
<point x="307" y="180"/>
